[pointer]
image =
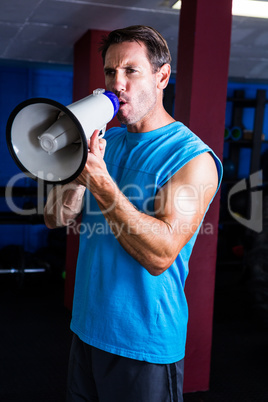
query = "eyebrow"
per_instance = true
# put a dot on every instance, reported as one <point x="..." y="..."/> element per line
<point x="133" y="65"/>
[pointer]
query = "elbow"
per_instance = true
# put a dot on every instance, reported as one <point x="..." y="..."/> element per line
<point x="51" y="221"/>
<point x="159" y="265"/>
<point x="50" y="224"/>
<point x="57" y="220"/>
<point x="155" y="271"/>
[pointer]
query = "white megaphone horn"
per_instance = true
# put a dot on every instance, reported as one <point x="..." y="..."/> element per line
<point x="48" y="141"/>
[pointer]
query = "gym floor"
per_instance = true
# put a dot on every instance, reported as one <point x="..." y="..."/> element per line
<point x="35" y="341"/>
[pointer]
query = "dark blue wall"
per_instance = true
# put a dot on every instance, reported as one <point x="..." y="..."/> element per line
<point x="18" y="83"/>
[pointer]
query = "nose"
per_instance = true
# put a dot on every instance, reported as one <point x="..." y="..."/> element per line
<point x="119" y="82"/>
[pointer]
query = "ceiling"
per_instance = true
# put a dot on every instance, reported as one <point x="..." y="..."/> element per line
<point x="45" y="31"/>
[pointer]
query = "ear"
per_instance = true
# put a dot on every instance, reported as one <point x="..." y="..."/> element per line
<point x="163" y="76"/>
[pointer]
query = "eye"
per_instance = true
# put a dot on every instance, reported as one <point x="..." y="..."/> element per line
<point x="109" y="72"/>
<point x="131" y="70"/>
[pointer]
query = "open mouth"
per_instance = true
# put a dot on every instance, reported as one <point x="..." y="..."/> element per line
<point x="122" y="102"/>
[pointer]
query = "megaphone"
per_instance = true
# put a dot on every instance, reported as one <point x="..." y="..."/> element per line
<point x="48" y="141"/>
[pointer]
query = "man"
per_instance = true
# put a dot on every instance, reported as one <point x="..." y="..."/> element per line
<point x="143" y="199"/>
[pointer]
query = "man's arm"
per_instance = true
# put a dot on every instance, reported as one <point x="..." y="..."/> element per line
<point x="180" y="205"/>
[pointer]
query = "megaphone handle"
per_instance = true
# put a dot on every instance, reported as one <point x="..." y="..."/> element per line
<point x="102" y="131"/>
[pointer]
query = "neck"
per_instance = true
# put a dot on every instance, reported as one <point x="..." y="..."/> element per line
<point x="151" y="122"/>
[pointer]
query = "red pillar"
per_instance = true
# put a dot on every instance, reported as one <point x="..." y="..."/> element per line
<point x="88" y="75"/>
<point x="201" y="89"/>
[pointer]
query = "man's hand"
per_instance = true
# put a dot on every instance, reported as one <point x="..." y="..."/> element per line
<point x="95" y="167"/>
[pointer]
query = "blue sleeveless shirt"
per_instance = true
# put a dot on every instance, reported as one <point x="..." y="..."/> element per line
<point x="118" y="306"/>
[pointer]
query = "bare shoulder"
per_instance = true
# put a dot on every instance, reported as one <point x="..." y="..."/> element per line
<point x="201" y="169"/>
<point x="191" y="188"/>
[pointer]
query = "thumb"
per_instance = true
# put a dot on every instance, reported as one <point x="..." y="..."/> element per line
<point x="94" y="143"/>
<point x="102" y="146"/>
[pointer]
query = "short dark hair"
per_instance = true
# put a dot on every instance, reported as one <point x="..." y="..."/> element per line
<point x="157" y="48"/>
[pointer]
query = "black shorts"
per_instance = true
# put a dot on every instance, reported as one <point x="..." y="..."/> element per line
<point x="98" y="376"/>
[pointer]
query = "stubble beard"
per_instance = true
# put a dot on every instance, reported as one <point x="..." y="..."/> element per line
<point x="140" y="108"/>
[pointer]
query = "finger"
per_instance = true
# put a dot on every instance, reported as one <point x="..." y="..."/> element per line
<point x="94" y="143"/>
<point x="102" y="146"/>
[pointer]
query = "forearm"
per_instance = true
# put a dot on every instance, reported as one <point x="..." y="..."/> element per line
<point x="144" y="237"/>
<point x="64" y="204"/>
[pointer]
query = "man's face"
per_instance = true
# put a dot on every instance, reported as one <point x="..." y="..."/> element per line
<point x="128" y="73"/>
